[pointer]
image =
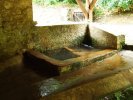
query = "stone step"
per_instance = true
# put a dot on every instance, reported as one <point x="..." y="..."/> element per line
<point x="67" y="59"/>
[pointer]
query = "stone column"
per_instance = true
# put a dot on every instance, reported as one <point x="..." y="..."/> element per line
<point x="15" y="26"/>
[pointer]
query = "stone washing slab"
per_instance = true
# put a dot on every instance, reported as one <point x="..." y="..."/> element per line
<point x="92" y="80"/>
<point x="63" y="66"/>
<point x="103" y="39"/>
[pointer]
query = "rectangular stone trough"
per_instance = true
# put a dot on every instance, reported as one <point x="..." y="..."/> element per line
<point x="67" y="47"/>
<point x="70" y="58"/>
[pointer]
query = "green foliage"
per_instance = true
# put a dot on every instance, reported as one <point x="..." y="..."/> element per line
<point x="70" y="1"/>
<point x="40" y="2"/>
<point x="104" y="7"/>
<point x="125" y="4"/>
<point x="98" y="13"/>
<point x="51" y="2"/>
<point x="47" y="2"/>
<point x="118" y="95"/>
<point x="54" y="2"/>
<point x="126" y="94"/>
<point x="120" y="5"/>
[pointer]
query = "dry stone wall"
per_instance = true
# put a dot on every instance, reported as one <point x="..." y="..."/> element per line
<point x="53" y="37"/>
<point x="18" y="31"/>
<point x="15" y="26"/>
<point x="102" y="39"/>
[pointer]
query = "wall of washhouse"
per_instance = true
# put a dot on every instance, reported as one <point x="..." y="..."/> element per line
<point x="19" y="33"/>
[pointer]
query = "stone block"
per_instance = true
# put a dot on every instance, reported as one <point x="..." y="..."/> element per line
<point x="102" y="39"/>
<point x="13" y="17"/>
<point x="120" y="42"/>
<point x="59" y="36"/>
<point x="8" y="4"/>
<point x="66" y="59"/>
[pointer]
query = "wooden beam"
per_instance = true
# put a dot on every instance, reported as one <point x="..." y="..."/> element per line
<point x="92" y="4"/>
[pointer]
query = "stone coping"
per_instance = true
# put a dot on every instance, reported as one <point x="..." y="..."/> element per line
<point x="62" y="23"/>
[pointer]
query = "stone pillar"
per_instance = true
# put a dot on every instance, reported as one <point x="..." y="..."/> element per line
<point x="120" y="41"/>
<point x="15" y="26"/>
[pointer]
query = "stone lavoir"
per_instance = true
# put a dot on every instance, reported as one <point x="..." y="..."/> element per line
<point x="33" y="66"/>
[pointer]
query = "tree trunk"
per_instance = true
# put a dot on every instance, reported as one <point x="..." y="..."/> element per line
<point x="81" y="5"/>
<point x="88" y="10"/>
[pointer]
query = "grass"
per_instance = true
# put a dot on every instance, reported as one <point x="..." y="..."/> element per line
<point x="126" y="94"/>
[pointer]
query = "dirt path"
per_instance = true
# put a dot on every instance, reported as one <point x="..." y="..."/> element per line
<point x="49" y="15"/>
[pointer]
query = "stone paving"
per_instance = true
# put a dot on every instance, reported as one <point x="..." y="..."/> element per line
<point x="20" y="82"/>
<point x="102" y="78"/>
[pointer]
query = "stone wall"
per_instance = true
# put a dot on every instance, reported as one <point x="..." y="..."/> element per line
<point x="15" y="26"/>
<point x="59" y="36"/>
<point x="18" y="32"/>
<point x="102" y="39"/>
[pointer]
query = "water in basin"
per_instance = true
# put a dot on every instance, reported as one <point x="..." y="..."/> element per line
<point x="60" y="54"/>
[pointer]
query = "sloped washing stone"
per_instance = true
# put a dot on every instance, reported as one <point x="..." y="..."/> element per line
<point x="71" y="64"/>
<point x="95" y="83"/>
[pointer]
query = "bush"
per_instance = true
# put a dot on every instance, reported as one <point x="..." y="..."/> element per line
<point x="47" y="2"/>
<point x="120" y="5"/>
<point x="53" y="2"/>
<point x="70" y="1"/>
<point x="98" y="13"/>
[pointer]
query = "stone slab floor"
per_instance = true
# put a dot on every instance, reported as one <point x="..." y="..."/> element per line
<point x="19" y="82"/>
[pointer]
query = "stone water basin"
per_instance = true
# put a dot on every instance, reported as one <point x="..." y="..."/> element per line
<point x="67" y="59"/>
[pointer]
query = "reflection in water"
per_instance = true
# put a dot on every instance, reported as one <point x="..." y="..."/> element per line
<point x="60" y="54"/>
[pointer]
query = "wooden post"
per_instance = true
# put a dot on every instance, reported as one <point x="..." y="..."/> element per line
<point x="81" y="5"/>
<point x="88" y="10"/>
<point x="91" y="8"/>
